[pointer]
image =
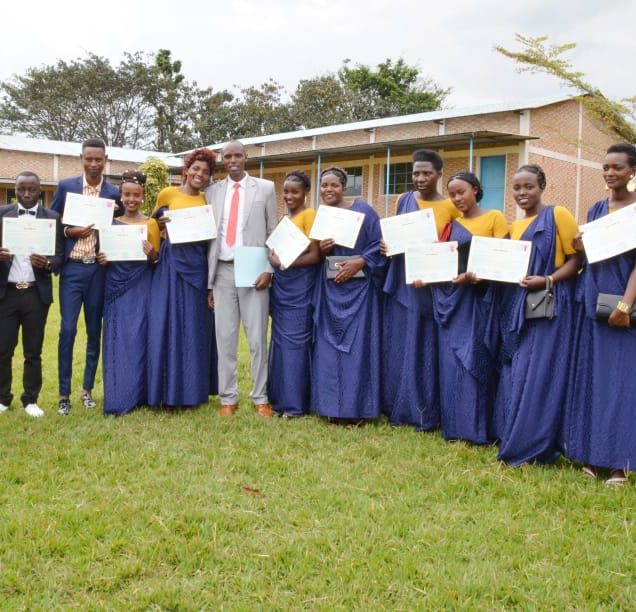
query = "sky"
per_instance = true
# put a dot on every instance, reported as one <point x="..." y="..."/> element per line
<point x="246" y="42"/>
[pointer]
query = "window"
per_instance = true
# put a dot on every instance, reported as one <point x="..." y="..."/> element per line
<point x="400" y="179"/>
<point x="492" y="175"/>
<point x="354" y="181"/>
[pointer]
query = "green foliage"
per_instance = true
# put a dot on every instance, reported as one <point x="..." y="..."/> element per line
<point x="165" y="510"/>
<point x="146" y="102"/>
<point x="157" y="172"/>
<point x="85" y="98"/>
<point x="362" y="92"/>
<point x="618" y="118"/>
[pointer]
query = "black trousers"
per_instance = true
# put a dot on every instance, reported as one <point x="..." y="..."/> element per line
<point x="22" y="308"/>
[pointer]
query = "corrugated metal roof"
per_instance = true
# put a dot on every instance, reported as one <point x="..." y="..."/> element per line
<point x="437" y="115"/>
<point x="73" y="149"/>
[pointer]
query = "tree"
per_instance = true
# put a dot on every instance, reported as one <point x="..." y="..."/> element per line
<point x="393" y="89"/>
<point x="173" y="100"/>
<point x="82" y="99"/>
<point x="536" y="56"/>
<point x="320" y="101"/>
<point x="156" y="171"/>
<point x="356" y="93"/>
<point x="261" y="111"/>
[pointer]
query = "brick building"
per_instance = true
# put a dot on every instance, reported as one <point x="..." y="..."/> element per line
<point x="53" y="160"/>
<point x="491" y="140"/>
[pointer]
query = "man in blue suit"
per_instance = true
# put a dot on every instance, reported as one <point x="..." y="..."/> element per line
<point x="81" y="277"/>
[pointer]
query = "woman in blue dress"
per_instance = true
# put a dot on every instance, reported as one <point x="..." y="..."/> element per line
<point x="179" y="344"/>
<point x="467" y="314"/>
<point x="290" y="299"/>
<point x="536" y="352"/>
<point x="600" y="424"/>
<point x="410" y="375"/>
<point x="126" y="305"/>
<point x="347" y="317"/>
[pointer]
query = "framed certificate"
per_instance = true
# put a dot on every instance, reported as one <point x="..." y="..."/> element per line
<point x="123" y="242"/>
<point x="191" y="224"/>
<point x="610" y="235"/>
<point x="340" y="224"/>
<point x="288" y="242"/>
<point x="82" y="211"/>
<point x="436" y="262"/>
<point x="499" y="259"/>
<point x="28" y="236"/>
<point x="412" y="228"/>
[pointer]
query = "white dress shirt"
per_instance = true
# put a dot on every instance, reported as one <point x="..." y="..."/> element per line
<point x="21" y="269"/>
<point x="226" y="253"/>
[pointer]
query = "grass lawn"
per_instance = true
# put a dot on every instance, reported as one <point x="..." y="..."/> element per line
<point x="191" y="511"/>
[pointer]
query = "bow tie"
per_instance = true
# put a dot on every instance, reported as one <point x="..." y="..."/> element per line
<point x="24" y="211"/>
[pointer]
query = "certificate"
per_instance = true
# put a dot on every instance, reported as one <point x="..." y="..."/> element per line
<point x="82" y="211"/>
<point x="409" y="229"/>
<point x="191" y="224"/>
<point x="249" y="264"/>
<point x="435" y="262"/>
<point x="499" y="259"/>
<point x="288" y="242"/>
<point x="610" y="235"/>
<point x="123" y="242"/>
<point x="340" y="224"/>
<point x="28" y="236"/>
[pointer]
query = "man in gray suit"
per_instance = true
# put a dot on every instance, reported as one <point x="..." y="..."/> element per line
<point x="245" y="213"/>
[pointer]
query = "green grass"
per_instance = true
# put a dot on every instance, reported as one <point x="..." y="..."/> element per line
<point x="150" y="511"/>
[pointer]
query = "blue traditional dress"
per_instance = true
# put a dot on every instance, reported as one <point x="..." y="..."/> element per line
<point x="535" y="358"/>
<point x="291" y="306"/>
<point x="347" y="318"/>
<point x="127" y="297"/>
<point x="179" y="344"/>
<point x="410" y="374"/>
<point x="468" y="328"/>
<point x="600" y="422"/>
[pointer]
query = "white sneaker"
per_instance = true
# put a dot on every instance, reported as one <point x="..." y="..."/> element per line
<point x="3" y="408"/>
<point x="33" y="410"/>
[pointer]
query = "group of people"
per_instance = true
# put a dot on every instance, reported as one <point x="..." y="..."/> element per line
<point x="350" y="340"/>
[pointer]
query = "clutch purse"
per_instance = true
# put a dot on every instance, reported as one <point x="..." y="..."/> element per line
<point x="333" y="264"/>
<point x="540" y="303"/>
<point x="605" y="305"/>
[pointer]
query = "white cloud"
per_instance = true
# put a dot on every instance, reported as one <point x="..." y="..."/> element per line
<point x="246" y="42"/>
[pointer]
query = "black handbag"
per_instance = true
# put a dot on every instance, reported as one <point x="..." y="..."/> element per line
<point x="606" y="303"/>
<point x="540" y="303"/>
<point x="333" y="264"/>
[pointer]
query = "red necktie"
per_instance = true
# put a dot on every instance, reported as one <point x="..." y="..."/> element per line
<point x="230" y="235"/>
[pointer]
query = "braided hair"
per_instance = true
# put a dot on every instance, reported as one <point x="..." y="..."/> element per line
<point x="537" y="171"/>
<point x="471" y="179"/>
<point x="298" y="176"/>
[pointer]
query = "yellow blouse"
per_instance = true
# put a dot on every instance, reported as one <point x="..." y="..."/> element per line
<point x="304" y="220"/>
<point x="174" y="198"/>
<point x="444" y="212"/>
<point x="153" y="231"/>
<point x="492" y="224"/>
<point x="566" y="227"/>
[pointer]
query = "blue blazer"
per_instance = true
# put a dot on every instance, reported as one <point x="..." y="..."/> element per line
<point x="75" y="185"/>
<point x="42" y="277"/>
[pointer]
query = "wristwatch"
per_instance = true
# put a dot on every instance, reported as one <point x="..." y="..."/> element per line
<point x="623" y="307"/>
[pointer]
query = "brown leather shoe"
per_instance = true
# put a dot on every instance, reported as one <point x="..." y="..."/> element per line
<point x="228" y="409"/>
<point x="265" y="410"/>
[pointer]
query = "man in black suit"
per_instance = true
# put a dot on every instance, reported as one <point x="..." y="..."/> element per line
<point x="26" y="293"/>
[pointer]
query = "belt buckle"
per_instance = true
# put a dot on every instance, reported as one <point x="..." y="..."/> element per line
<point x="88" y="260"/>
<point x="22" y="285"/>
